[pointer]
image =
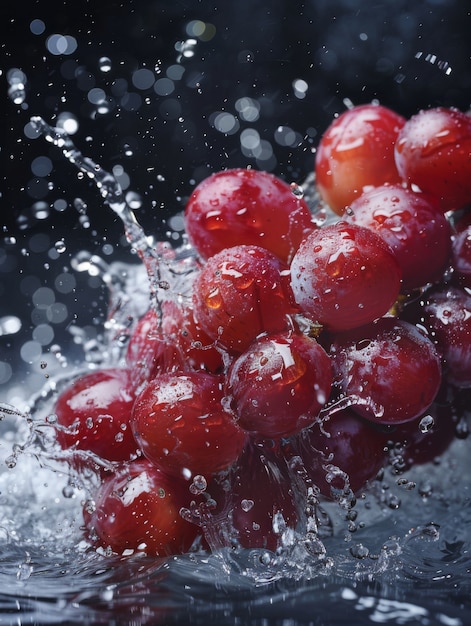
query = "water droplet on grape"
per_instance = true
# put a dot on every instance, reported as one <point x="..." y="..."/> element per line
<point x="198" y="485"/>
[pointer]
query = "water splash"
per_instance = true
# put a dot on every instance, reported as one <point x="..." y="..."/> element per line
<point x="112" y="195"/>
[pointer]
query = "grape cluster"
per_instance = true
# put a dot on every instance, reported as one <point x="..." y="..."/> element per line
<point x="305" y="350"/>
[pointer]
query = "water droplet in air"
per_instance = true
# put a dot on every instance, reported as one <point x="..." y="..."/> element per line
<point x="9" y="325"/>
<point x="68" y="491"/>
<point x="17" y="93"/>
<point x="426" y="424"/>
<point x="297" y="190"/>
<point x="10" y="462"/>
<point x="104" y="64"/>
<point x="60" y="246"/>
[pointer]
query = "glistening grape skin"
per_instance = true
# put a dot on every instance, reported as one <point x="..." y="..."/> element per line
<point x="138" y="509"/>
<point x="447" y="315"/>
<point x="253" y="365"/>
<point x="245" y="206"/>
<point x="261" y="499"/>
<point x="433" y="151"/>
<point x="344" y="276"/>
<point x="182" y="426"/>
<point x="93" y="414"/>
<point x="391" y="368"/>
<point x="279" y="385"/>
<point x="357" y="151"/>
<point x="413" y="225"/>
<point x="342" y="452"/>
<point x="241" y="292"/>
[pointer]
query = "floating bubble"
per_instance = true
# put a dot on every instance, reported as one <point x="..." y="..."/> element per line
<point x="195" y="28"/>
<point x="224" y="122"/>
<point x="41" y="166"/>
<point x="57" y="313"/>
<point x="143" y="78"/>
<point x="30" y="351"/>
<point x="131" y="101"/>
<point x="43" y="297"/>
<point x="44" y="335"/>
<point x="37" y="27"/>
<point x="61" y="44"/>
<point x="6" y="372"/>
<point x="248" y="109"/>
<point x="60" y="205"/>
<point x="15" y="76"/>
<point x="300" y="88"/>
<point x="175" y="72"/>
<point x="164" y="86"/>
<point x="96" y="95"/>
<point x="249" y="139"/>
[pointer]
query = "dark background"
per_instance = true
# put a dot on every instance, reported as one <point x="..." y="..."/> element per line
<point x="408" y="55"/>
<point x="342" y="49"/>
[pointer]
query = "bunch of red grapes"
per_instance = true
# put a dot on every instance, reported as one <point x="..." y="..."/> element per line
<point x="306" y="349"/>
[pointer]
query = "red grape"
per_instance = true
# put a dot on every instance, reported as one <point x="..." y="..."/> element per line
<point x="139" y="509"/>
<point x="348" y="443"/>
<point x="198" y="349"/>
<point x="447" y="313"/>
<point x="242" y="206"/>
<point x="390" y="367"/>
<point x="356" y="151"/>
<point x="280" y="384"/>
<point x="240" y="293"/>
<point x="261" y="499"/>
<point x="93" y="414"/>
<point x="182" y="426"/>
<point x="461" y="258"/>
<point x="424" y="439"/>
<point x="150" y="352"/>
<point x="413" y="225"/>
<point x="344" y="275"/>
<point x="433" y="151"/>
